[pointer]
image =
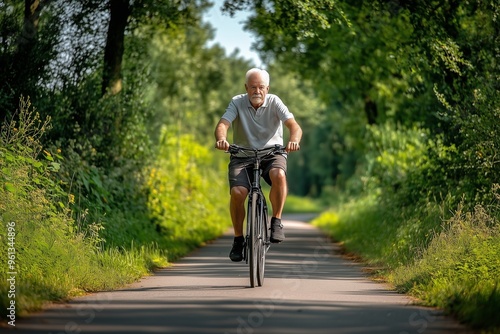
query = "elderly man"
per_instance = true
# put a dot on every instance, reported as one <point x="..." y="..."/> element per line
<point x="257" y="118"/>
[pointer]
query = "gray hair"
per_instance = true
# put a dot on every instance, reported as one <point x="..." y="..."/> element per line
<point x="263" y="74"/>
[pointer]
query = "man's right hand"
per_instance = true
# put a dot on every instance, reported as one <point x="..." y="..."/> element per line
<point x="222" y="145"/>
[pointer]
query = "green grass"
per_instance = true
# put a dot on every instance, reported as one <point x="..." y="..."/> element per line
<point x="453" y="265"/>
<point x="296" y="204"/>
<point x="459" y="270"/>
<point x="53" y="263"/>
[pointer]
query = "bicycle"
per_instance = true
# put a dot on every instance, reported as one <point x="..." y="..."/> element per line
<point x="257" y="239"/>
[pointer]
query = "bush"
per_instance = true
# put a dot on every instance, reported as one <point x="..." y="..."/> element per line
<point x="185" y="194"/>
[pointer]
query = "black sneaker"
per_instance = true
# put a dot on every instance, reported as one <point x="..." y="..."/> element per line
<point x="277" y="233"/>
<point x="236" y="254"/>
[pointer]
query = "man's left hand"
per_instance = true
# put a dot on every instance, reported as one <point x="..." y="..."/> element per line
<point x="292" y="146"/>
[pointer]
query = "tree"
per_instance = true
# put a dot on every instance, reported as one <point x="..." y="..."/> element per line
<point x="26" y="50"/>
<point x="115" y="45"/>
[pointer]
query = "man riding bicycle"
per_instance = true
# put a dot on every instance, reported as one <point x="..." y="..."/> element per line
<point x="257" y="119"/>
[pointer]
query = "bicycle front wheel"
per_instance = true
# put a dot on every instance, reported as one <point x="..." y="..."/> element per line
<point x="253" y="239"/>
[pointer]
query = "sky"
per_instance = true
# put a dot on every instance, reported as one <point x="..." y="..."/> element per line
<point x="229" y="32"/>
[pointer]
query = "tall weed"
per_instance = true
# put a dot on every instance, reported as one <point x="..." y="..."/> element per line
<point x="460" y="269"/>
<point x="447" y="260"/>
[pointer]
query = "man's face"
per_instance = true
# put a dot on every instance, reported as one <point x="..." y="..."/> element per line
<point x="257" y="90"/>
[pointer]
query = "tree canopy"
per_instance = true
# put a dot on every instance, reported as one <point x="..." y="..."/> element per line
<point x="104" y="70"/>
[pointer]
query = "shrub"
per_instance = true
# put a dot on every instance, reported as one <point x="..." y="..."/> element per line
<point x="185" y="194"/>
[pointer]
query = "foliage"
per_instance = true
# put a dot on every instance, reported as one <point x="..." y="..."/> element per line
<point x="194" y="86"/>
<point x="28" y="45"/>
<point x="398" y="226"/>
<point x="428" y="65"/>
<point x="403" y="161"/>
<point x="184" y="194"/>
<point x="452" y="265"/>
<point x="459" y="271"/>
<point x="54" y="257"/>
<point x="59" y="256"/>
<point x="281" y="25"/>
<point x="396" y="152"/>
<point x="374" y="230"/>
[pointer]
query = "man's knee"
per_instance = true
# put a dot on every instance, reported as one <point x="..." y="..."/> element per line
<point x="239" y="193"/>
<point x="277" y="175"/>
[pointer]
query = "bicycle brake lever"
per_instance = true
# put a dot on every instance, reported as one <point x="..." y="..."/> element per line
<point x="233" y="149"/>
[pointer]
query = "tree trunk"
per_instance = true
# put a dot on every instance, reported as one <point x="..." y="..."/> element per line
<point x="19" y="73"/>
<point x="371" y="111"/>
<point x="113" y="52"/>
<point x="27" y="38"/>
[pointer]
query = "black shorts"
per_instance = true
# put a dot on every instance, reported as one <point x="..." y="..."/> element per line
<point x="241" y="169"/>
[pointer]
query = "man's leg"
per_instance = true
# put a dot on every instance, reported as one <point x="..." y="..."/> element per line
<point x="279" y="190"/>
<point x="237" y="209"/>
<point x="277" y="196"/>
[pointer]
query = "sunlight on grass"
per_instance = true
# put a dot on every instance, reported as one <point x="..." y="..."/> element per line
<point x="295" y="204"/>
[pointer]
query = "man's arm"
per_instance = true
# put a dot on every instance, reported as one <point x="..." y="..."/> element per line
<point x="221" y="142"/>
<point x="295" y="135"/>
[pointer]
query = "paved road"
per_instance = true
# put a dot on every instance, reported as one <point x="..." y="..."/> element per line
<point x="308" y="289"/>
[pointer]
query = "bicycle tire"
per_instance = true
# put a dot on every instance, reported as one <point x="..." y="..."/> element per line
<point x="263" y="239"/>
<point x="252" y="236"/>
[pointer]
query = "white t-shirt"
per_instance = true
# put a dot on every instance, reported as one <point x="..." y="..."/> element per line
<point x="257" y="128"/>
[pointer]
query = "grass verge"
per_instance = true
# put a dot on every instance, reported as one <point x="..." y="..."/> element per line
<point x="453" y="265"/>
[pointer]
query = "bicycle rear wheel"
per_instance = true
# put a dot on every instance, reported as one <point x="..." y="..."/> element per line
<point x="252" y="239"/>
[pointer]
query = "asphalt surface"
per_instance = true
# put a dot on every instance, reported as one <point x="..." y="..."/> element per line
<point x="308" y="288"/>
